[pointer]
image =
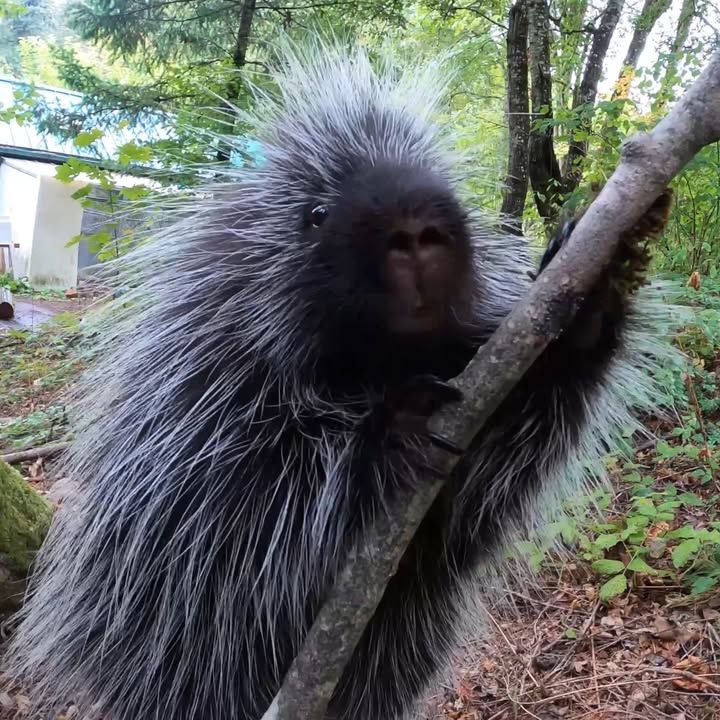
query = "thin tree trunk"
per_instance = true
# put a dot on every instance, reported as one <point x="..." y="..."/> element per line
<point x="652" y="11"/>
<point x="588" y="89"/>
<point x="242" y="41"/>
<point x="518" y="110"/>
<point x="544" y="170"/>
<point x="569" y="58"/>
<point x="688" y="12"/>
<point x="239" y="58"/>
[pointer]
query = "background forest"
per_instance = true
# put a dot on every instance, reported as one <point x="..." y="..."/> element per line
<point x="626" y="621"/>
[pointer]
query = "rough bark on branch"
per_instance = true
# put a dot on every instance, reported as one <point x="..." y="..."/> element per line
<point x="544" y="169"/>
<point x="648" y="164"/>
<point x="588" y="89"/>
<point x="518" y="118"/>
<point x="651" y="12"/>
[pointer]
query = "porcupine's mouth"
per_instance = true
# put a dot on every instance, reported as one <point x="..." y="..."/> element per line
<point x="419" y="322"/>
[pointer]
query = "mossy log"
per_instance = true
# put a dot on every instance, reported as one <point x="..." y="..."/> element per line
<point x="24" y="520"/>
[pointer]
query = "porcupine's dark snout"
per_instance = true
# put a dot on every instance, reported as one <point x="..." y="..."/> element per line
<point x="409" y="236"/>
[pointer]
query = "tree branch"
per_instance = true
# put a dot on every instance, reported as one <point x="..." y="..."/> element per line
<point x="648" y="164"/>
<point x="34" y="453"/>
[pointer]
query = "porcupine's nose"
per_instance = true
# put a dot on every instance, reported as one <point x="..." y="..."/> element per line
<point x="412" y="227"/>
<point x="418" y="267"/>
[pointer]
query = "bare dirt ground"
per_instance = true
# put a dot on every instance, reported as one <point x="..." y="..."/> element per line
<point x="646" y="656"/>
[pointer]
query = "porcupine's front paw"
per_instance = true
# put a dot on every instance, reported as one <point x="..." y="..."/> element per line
<point x="411" y="405"/>
<point x="604" y="308"/>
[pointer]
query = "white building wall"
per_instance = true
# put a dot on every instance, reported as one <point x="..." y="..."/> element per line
<point x="19" y="188"/>
<point x="58" y="218"/>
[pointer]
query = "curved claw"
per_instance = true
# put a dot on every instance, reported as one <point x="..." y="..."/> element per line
<point x="423" y="396"/>
<point x="443" y="444"/>
<point x="555" y="243"/>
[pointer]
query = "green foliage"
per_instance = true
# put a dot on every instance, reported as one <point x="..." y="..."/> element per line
<point x="663" y="518"/>
<point x="103" y="195"/>
<point x="35" y="428"/>
<point x="18" y="285"/>
<point x="36" y="61"/>
<point x="36" y="365"/>
<point x="21" y="111"/>
<point x="10" y="10"/>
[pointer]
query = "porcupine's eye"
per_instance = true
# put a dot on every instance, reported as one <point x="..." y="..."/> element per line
<point x="318" y="215"/>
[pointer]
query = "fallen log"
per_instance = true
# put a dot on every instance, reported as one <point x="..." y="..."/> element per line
<point x="7" y="306"/>
<point x="34" y="453"/>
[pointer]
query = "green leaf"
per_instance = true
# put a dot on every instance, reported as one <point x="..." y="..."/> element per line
<point x="608" y="567"/>
<point x="571" y="633"/>
<point x="691" y="451"/>
<point x="87" y="138"/>
<point x="686" y="531"/>
<point x="664" y="450"/>
<point x="639" y="565"/>
<point x="643" y="492"/>
<point x="709" y="536"/>
<point x="645" y="507"/>
<point x="134" y="193"/>
<point x="98" y="240"/>
<point x="703" y="583"/>
<point x="66" y="173"/>
<point x="130" y="152"/>
<point x="82" y="192"/>
<point x="636" y="522"/>
<point x="9" y="9"/>
<point x="682" y="554"/>
<point x="613" y="587"/>
<point x="607" y="540"/>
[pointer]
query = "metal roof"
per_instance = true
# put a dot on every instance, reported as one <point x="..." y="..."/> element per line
<point x="27" y="142"/>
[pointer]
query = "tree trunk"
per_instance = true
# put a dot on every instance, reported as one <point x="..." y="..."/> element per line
<point x="569" y="56"/>
<point x="652" y="11"/>
<point x="518" y="112"/>
<point x="544" y="170"/>
<point x="239" y="58"/>
<point x="24" y="520"/>
<point x="588" y="90"/>
<point x="242" y="40"/>
<point x="689" y="11"/>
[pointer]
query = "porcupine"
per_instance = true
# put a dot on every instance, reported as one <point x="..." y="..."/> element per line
<point x="240" y="428"/>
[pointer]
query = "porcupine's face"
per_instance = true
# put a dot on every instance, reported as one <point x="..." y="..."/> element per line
<point x="397" y="280"/>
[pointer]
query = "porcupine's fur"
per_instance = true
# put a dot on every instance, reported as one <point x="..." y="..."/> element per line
<point x="225" y="461"/>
